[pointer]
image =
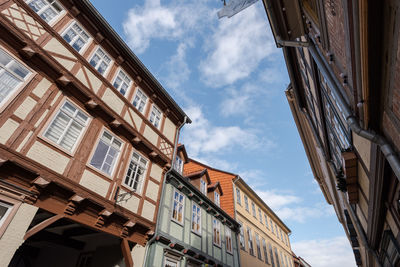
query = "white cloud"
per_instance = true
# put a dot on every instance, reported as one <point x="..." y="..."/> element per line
<point x="202" y="137"/>
<point x="238" y="101"/>
<point x="236" y="49"/>
<point x="326" y="252"/>
<point x="290" y="207"/>
<point x="169" y="22"/>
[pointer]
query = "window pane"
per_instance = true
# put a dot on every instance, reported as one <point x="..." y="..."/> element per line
<point x="99" y="155"/>
<point x="7" y="85"/>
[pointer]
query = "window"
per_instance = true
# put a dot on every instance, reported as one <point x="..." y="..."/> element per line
<point x="241" y="237"/>
<point x="250" y="241"/>
<point x="276" y="231"/>
<point x="106" y="153"/>
<point x="46" y="9"/>
<point x="171" y="262"/>
<point x="238" y="199"/>
<point x="100" y="60"/>
<point x="258" y="247"/>
<point x="122" y="82"/>
<point x="280" y="230"/>
<point x="228" y="239"/>
<point x="217" y="232"/>
<point x="178" y="166"/>
<point x="177" y="211"/>
<point x="5" y="210"/>
<point x="140" y="100"/>
<point x="136" y="170"/>
<point x="260" y="215"/>
<point x="246" y="203"/>
<point x="196" y="219"/>
<point x="67" y="126"/>
<point x="253" y="208"/>
<point x="216" y="198"/>
<point x="272" y="255"/>
<point x="266" y="220"/>
<point x="389" y="254"/>
<point x="155" y="116"/>
<point x="283" y="263"/>
<point x="265" y="251"/>
<point x="76" y="36"/>
<point x="12" y="75"/>
<point x="272" y="225"/>
<point x="203" y="187"/>
<point x="286" y="261"/>
<point x="277" y="257"/>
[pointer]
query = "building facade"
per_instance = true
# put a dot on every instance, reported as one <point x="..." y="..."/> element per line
<point x="343" y="62"/>
<point x="263" y="238"/>
<point x="86" y="135"/>
<point x="192" y="229"/>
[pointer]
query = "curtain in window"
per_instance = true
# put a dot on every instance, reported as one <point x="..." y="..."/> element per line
<point x="7" y="84"/>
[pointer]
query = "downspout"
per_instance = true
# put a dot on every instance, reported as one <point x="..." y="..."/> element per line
<point x="162" y="191"/>
<point x="234" y="203"/>
<point x="352" y="121"/>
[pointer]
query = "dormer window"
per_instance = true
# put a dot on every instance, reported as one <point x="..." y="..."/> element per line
<point x="178" y="164"/>
<point x="203" y="187"/>
<point x="216" y="198"/>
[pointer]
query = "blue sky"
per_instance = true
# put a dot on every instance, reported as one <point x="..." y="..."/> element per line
<point x="230" y="79"/>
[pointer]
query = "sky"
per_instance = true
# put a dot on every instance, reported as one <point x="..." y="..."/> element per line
<point x="230" y="78"/>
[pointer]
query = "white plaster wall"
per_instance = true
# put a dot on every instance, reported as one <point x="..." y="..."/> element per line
<point x="156" y="172"/>
<point x="113" y="101"/>
<point x="48" y="157"/>
<point x="94" y="183"/>
<point x="169" y="130"/>
<point x="151" y="135"/>
<point x="55" y="46"/>
<point x="42" y="87"/>
<point x="7" y="130"/>
<point x="152" y="190"/>
<point x="94" y="81"/>
<point x="138" y="121"/>
<point x="131" y="202"/>
<point x="26" y="107"/>
<point x="14" y="234"/>
<point x="148" y="210"/>
<point x="138" y="253"/>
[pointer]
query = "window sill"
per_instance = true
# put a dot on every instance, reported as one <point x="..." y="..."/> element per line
<point x="218" y="246"/>
<point x="196" y="233"/>
<point x="177" y="222"/>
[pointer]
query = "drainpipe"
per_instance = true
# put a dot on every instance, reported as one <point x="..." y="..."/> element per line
<point x="234" y="203"/>
<point x="162" y="191"/>
<point x="352" y="121"/>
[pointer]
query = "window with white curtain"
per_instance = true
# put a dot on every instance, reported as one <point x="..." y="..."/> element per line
<point x="106" y="153"/>
<point x="100" y="60"/>
<point x="196" y="219"/>
<point x="140" y="100"/>
<point x="122" y="82"/>
<point x="76" y="36"/>
<point x="12" y="75"/>
<point x="155" y="116"/>
<point x="136" y="172"/>
<point x="178" y="205"/>
<point x="67" y="126"/>
<point x="216" y="232"/>
<point x="48" y="10"/>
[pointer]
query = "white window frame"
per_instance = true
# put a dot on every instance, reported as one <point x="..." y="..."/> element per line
<point x="113" y="138"/>
<point x="72" y="120"/>
<point x="217" y="199"/>
<point x="216" y="232"/>
<point x="246" y="203"/>
<point x="154" y="118"/>
<point x="123" y="81"/>
<point x="171" y="260"/>
<point x="8" y="70"/>
<point x="196" y="218"/>
<point x="75" y="38"/>
<point x="178" y="205"/>
<point x="9" y="208"/>
<point x="46" y="7"/>
<point x="203" y="186"/>
<point x="140" y="95"/>
<point x="102" y="59"/>
<point x="238" y="197"/>
<point x="178" y="166"/>
<point x="134" y="175"/>
<point x="228" y="240"/>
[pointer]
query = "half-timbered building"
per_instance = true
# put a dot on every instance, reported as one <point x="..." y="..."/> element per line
<point x="86" y="135"/>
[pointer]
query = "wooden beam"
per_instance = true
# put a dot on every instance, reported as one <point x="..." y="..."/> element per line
<point x="42" y="225"/>
<point x="126" y="252"/>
